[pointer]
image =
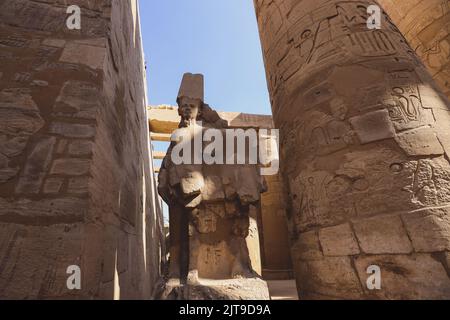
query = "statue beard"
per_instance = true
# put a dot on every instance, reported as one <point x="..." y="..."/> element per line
<point x="186" y="122"/>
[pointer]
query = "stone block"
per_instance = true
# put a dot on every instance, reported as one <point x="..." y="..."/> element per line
<point x="338" y="241"/>
<point x="384" y="234"/>
<point x="17" y="98"/>
<point x="72" y="130"/>
<point x="19" y="114"/>
<point x="429" y="230"/>
<point x="14" y="146"/>
<point x="53" y="185"/>
<point x="91" y="56"/>
<point x="7" y="174"/>
<point x="78" y="99"/>
<point x="36" y="167"/>
<point x="57" y="43"/>
<point x="45" y="211"/>
<point x="37" y="260"/>
<point x="78" y="185"/>
<point x="71" y="167"/>
<point x="248" y="184"/>
<point x="61" y="148"/>
<point x="213" y="189"/>
<point x="51" y="18"/>
<point x="332" y="276"/>
<point x="373" y="126"/>
<point x="80" y="148"/>
<point x="416" y="276"/>
<point x="419" y="142"/>
<point x="230" y="289"/>
<point x="307" y="247"/>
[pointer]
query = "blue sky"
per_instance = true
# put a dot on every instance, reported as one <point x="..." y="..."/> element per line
<point x="218" y="38"/>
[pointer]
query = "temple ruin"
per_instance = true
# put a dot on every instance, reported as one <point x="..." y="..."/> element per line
<point x="364" y="153"/>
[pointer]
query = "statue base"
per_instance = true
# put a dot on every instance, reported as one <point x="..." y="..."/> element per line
<point x="208" y="289"/>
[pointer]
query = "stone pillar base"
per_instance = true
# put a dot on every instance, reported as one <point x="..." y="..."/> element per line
<point x="207" y="289"/>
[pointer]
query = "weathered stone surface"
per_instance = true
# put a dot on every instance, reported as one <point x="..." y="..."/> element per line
<point x="19" y="118"/>
<point x="37" y="165"/>
<point x="78" y="99"/>
<point x="192" y="181"/>
<point x="58" y="43"/>
<point x="338" y="241"/>
<point x="74" y="110"/>
<point x="213" y="190"/>
<point x="17" y="98"/>
<point x="358" y="143"/>
<point x="429" y="186"/>
<point x="53" y="185"/>
<point x="307" y="247"/>
<point x="276" y="256"/>
<point x="51" y="18"/>
<point x="70" y="167"/>
<point x="420" y="142"/>
<point x="429" y="229"/>
<point x="447" y="261"/>
<point x="7" y="174"/>
<point x="62" y="145"/>
<point x="42" y="212"/>
<point x="91" y="56"/>
<point x="78" y="185"/>
<point x="35" y="260"/>
<point x="72" y="130"/>
<point x="80" y="148"/>
<point x="382" y="235"/>
<point x="249" y="186"/>
<point x="14" y="146"/>
<point x="373" y="126"/>
<point x="426" y="26"/>
<point x="333" y="277"/>
<point x="253" y="240"/>
<point x="416" y="276"/>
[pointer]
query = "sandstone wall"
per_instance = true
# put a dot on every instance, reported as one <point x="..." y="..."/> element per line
<point x="76" y="186"/>
<point x="276" y="257"/>
<point x="426" y="26"/>
<point x="364" y="151"/>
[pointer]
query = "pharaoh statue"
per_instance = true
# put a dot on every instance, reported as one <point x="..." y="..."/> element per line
<point x="210" y="206"/>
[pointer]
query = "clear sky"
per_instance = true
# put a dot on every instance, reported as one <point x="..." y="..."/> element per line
<point x="218" y="38"/>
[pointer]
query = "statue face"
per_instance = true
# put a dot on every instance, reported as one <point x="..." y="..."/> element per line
<point x="188" y="108"/>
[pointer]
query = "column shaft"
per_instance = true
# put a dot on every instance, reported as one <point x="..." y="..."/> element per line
<point x="364" y="151"/>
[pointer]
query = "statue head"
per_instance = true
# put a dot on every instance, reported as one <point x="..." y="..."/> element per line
<point x="189" y="109"/>
<point x="190" y="97"/>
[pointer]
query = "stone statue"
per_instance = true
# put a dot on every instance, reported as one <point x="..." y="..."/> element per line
<point x="210" y="209"/>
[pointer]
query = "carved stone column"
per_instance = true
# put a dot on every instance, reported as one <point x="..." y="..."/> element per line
<point x="426" y="26"/>
<point x="364" y="152"/>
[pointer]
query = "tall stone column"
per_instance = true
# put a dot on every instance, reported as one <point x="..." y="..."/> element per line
<point x="426" y="26"/>
<point x="364" y="152"/>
